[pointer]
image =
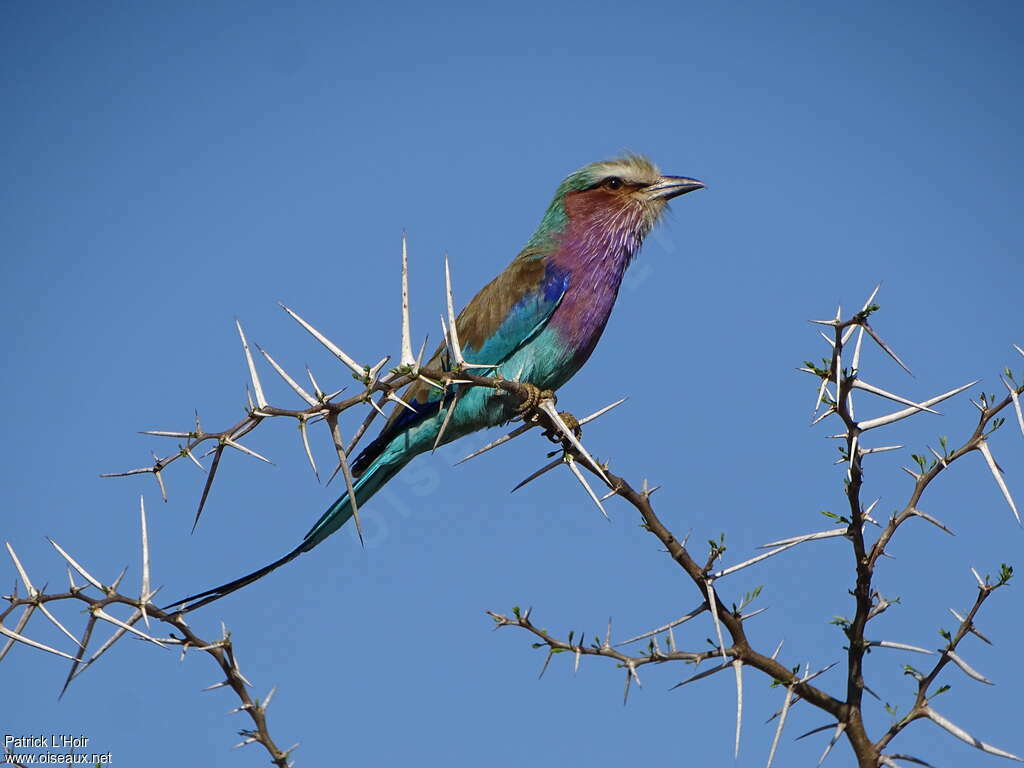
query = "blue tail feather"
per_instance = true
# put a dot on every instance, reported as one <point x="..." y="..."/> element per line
<point x="369" y="482"/>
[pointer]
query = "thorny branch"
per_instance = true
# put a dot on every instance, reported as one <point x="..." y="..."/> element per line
<point x="835" y="390"/>
<point x="97" y="598"/>
<point x="845" y="708"/>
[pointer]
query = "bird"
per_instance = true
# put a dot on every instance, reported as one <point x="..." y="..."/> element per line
<point x="538" y="322"/>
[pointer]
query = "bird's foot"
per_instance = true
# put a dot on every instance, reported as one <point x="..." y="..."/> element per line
<point x="534" y="397"/>
<point x="571" y="423"/>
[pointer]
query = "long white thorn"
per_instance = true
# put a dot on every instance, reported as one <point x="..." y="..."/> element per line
<point x="407" y="358"/>
<point x="899" y="646"/>
<point x="288" y="379"/>
<point x="702" y="675"/>
<point x="22" y="623"/>
<point x="396" y="399"/>
<point x="312" y="381"/>
<point x="861" y="384"/>
<point x="821" y="394"/>
<point x="500" y="441"/>
<point x="737" y="665"/>
<point x="453" y="333"/>
<point x="829" y="534"/>
<point x="987" y="453"/>
<point x="22" y="639"/>
<point x="1016" y="403"/>
<point x="543" y="470"/>
<point x="330" y="345"/>
<point x="782" y="721"/>
<point x="101" y="614"/>
<point x="963" y="735"/>
<point x="757" y="559"/>
<point x="709" y="589"/>
<point x="602" y="411"/>
<point x="346" y="471"/>
<point x="933" y="520"/>
<point x="74" y="564"/>
<point x="21" y="571"/>
<point x="856" y="350"/>
<point x="977" y="578"/>
<point x="548" y="406"/>
<point x="305" y="445"/>
<point x="61" y="627"/>
<point x="245" y="450"/>
<point x="885" y="347"/>
<point x="667" y="627"/>
<point x="261" y="401"/>
<point x="144" y="590"/>
<point x="840" y="727"/>
<point x="447" y="417"/>
<point x="881" y="421"/>
<point x="967" y="669"/>
<point x="583" y="481"/>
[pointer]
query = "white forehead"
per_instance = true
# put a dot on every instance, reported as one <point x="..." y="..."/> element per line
<point x="633" y="169"/>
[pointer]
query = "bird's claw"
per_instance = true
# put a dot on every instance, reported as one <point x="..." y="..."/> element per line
<point x="571" y="422"/>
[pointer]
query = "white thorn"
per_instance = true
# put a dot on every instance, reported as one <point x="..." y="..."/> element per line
<point x="452" y="331"/>
<point x="977" y="577"/>
<point x="288" y="379"/>
<point x="447" y="417"/>
<point x="782" y="721"/>
<point x="144" y="594"/>
<point x="757" y="559"/>
<point x="861" y="384"/>
<point x="101" y="614"/>
<point x="61" y="627"/>
<point x="829" y="534"/>
<point x="667" y="627"/>
<point x="500" y="441"/>
<point x="987" y="453"/>
<point x="899" y="646"/>
<point x="243" y="449"/>
<point x="968" y="669"/>
<point x="22" y="639"/>
<point x="316" y="387"/>
<point x="738" y="666"/>
<point x="963" y="735"/>
<point x="602" y="411"/>
<point x="885" y="347"/>
<point x="543" y="470"/>
<point x="590" y="491"/>
<point x="256" y="386"/>
<point x="407" y="358"/>
<point x="74" y="564"/>
<point x="840" y="727"/>
<point x="1016" y="403"/>
<point x="21" y="571"/>
<point x="709" y="589"/>
<point x="897" y="415"/>
<point x="330" y="345"/>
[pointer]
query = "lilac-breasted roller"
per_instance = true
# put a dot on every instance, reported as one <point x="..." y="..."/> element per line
<point x="538" y="321"/>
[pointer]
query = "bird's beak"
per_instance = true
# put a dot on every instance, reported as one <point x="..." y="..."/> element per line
<point x="668" y="187"/>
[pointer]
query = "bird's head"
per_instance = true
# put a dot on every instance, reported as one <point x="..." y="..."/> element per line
<point x="622" y="198"/>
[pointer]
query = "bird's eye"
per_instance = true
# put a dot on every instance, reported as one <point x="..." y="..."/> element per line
<point x="613" y="182"/>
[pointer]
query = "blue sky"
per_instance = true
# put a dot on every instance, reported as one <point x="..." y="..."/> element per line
<point x="169" y="168"/>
